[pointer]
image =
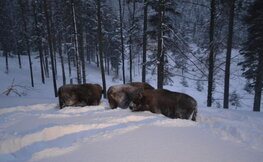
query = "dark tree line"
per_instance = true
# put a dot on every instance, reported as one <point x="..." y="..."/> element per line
<point x="253" y="51"/>
<point x="128" y="38"/>
<point x="65" y="31"/>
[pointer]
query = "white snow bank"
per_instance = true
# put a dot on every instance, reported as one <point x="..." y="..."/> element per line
<point x="51" y="133"/>
<point x="39" y="107"/>
<point x="96" y="133"/>
<point x="237" y="126"/>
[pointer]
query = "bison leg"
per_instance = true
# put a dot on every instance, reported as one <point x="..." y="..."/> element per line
<point x="132" y="106"/>
<point x="96" y="102"/>
<point x="124" y="102"/>
<point x="112" y="103"/>
<point x="190" y="114"/>
<point x="60" y="103"/>
<point x="194" y="114"/>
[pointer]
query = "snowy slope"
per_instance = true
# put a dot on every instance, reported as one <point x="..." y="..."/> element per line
<point x="95" y="133"/>
<point x="32" y="128"/>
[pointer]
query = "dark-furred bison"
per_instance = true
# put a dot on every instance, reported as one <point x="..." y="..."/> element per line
<point x="168" y="103"/>
<point x="122" y="95"/>
<point x="79" y="95"/>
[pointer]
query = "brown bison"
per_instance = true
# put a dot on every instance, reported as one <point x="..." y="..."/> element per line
<point x="79" y="95"/>
<point x="168" y="103"/>
<point x="122" y="95"/>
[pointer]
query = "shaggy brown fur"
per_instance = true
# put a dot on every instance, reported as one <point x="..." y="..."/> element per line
<point x="122" y="95"/>
<point x="168" y="103"/>
<point x="79" y="95"/>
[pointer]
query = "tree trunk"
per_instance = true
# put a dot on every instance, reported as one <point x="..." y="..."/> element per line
<point x="22" y="6"/>
<point x="53" y="36"/>
<point x="97" y="57"/>
<point x="122" y="43"/>
<point x="130" y="39"/>
<point x="145" y="19"/>
<point x="50" y="47"/>
<point x="6" y="60"/>
<point x="61" y="58"/>
<point x="76" y="42"/>
<point x="81" y="49"/>
<point x="108" y="63"/>
<point x="86" y="45"/>
<point x="46" y="67"/>
<point x="39" y="41"/>
<point x="211" y="55"/>
<point x="228" y="53"/>
<point x="101" y="48"/>
<point x="258" y="86"/>
<point x="69" y="66"/>
<point x="19" y="59"/>
<point x="160" y="53"/>
<point x="88" y="53"/>
<point x="130" y="55"/>
<point x="40" y="50"/>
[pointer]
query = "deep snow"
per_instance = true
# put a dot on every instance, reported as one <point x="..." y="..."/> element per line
<point x="33" y="128"/>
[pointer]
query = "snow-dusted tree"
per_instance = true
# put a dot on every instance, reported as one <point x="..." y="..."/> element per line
<point x="37" y="8"/>
<point x="5" y="32"/>
<point x="145" y="26"/>
<point x="50" y="46"/>
<point x="23" y="4"/>
<point x="160" y="47"/>
<point x="162" y="23"/>
<point x="91" y="33"/>
<point x="62" y="21"/>
<point x="122" y="40"/>
<point x="252" y="51"/>
<point x="131" y="33"/>
<point x="231" y="6"/>
<point x="63" y="30"/>
<point x="111" y="40"/>
<point x="101" y="47"/>
<point x="211" y="54"/>
<point x="76" y="42"/>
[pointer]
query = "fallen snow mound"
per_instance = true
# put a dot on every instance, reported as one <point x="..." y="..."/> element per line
<point x="43" y="132"/>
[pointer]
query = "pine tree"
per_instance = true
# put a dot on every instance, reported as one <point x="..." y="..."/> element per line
<point x="76" y="42"/>
<point x="131" y="34"/>
<point x="50" y="47"/>
<point x="163" y="29"/>
<point x="61" y="58"/>
<point x="229" y="49"/>
<point x="122" y="41"/>
<point x="145" y="23"/>
<point x="160" y="48"/>
<point x="23" y="8"/>
<point x="101" y="47"/>
<point x="5" y="31"/>
<point x="37" y="24"/>
<point x="111" y="39"/>
<point x="252" y="51"/>
<point x="211" y="54"/>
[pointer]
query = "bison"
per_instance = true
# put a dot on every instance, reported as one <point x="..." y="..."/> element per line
<point x="168" y="103"/>
<point x="79" y="95"/>
<point x="122" y="95"/>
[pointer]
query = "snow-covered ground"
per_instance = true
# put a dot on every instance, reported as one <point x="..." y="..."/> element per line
<point x="33" y="128"/>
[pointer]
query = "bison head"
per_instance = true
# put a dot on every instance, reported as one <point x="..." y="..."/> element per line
<point x="137" y="102"/>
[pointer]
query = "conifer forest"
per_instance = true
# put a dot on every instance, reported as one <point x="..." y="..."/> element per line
<point x="192" y="41"/>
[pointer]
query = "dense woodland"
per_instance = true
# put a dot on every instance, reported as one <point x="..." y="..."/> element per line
<point x="123" y="37"/>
